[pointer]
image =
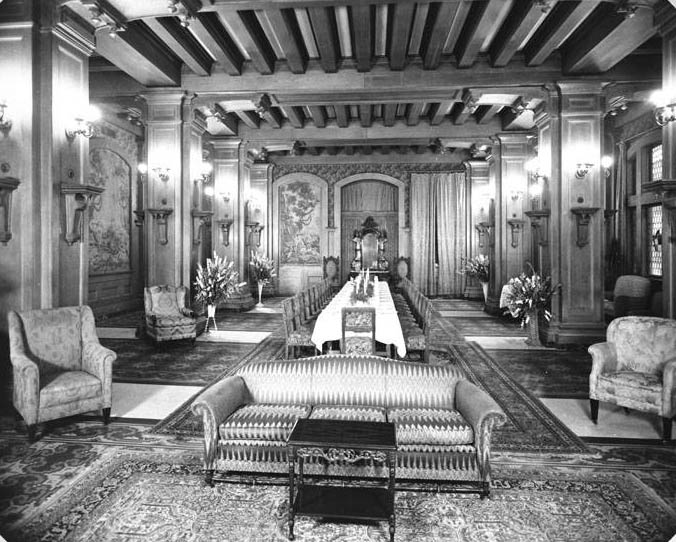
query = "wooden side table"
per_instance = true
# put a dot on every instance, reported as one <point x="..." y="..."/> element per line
<point x="339" y="440"/>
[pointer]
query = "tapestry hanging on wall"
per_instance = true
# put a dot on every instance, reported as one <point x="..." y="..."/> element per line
<point x="299" y="223"/>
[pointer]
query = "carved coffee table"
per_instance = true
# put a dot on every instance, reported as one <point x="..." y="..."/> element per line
<point x="338" y="440"/>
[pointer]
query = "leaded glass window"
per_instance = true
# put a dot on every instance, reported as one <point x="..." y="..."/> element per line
<point x="655" y="240"/>
<point x="656" y="163"/>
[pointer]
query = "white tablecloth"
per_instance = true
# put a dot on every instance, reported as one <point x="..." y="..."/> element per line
<point x="388" y="328"/>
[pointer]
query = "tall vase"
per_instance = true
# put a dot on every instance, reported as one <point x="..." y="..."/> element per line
<point x="484" y="289"/>
<point x="533" y="327"/>
<point x="260" y="294"/>
<point x="211" y="315"/>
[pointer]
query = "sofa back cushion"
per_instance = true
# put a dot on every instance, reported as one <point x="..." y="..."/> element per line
<point x="643" y="343"/>
<point x="279" y="381"/>
<point x="421" y="385"/>
<point x="54" y="337"/>
<point x="349" y="380"/>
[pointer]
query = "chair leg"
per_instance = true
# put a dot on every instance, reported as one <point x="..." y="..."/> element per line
<point x="31" y="432"/>
<point x="666" y="428"/>
<point x="106" y="416"/>
<point x="594" y="404"/>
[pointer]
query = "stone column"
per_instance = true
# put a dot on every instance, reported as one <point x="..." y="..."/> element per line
<point x="577" y="199"/>
<point x="479" y="195"/>
<point x="227" y="198"/>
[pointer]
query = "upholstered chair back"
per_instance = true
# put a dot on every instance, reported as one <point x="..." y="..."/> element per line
<point x="642" y="343"/>
<point x="631" y="294"/>
<point x="165" y="300"/>
<point x="53" y="337"/>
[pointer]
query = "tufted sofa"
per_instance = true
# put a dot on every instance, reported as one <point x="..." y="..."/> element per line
<point x="636" y="367"/>
<point x="443" y="422"/>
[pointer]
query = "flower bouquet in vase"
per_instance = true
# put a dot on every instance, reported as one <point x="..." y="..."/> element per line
<point x="478" y="268"/>
<point x="527" y="297"/>
<point x="363" y="289"/>
<point x="262" y="272"/>
<point x="215" y="281"/>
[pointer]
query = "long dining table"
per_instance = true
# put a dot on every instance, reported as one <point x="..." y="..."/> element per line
<point x="328" y="326"/>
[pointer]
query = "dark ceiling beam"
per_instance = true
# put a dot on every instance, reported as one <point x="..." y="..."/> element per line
<point x="251" y="119"/>
<point x="342" y="115"/>
<point x="439" y="21"/>
<point x="606" y="38"/>
<point x="295" y="115"/>
<point x="480" y="22"/>
<point x="457" y="25"/>
<point x="273" y="117"/>
<point x="318" y="115"/>
<point x="211" y="33"/>
<point x="389" y="114"/>
<point x="461" y="112"/>
<point x="182" y="43"/>
<point x="366" y="115"/>
<point x="515" y="120"/>
<point x="439" y="110"/>
<point x="373" y="97"/>
<point x="247" y="28"/>
<point x="286" y="29"/>
<point x="226" y="119"/>
<point x="564" y="18"/>
<point x="485" y="113"/>
<point x="399" y="32"/>
<point x="362" y="26"/>
<point x="519" y="23"/>
<point x="326" y="34"/>
<point x="349" y="150"/>
<point x="413" y="113"/>
<point x="139" y="53"/>
<point x="414" y="79"/>
<point x="314" y="151"/>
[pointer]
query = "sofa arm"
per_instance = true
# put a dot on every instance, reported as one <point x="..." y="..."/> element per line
<point x="26" y="395"/>
<point x="482" y="413"/>
<point x="214" y="405"/>
<point x="98" y="361"/>
<point x="669" y="389"/>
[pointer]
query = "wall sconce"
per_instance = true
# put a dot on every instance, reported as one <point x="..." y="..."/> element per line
<point x="162" y="173"/>
<point x="483" y="229"/>
<point x="583" y="216"/>
<point x="516" y="224"/>
<point x="224" y="225"/>
<point x="606" y="164"/>
<point x="142" y="168"/>
<point x="77" y="198"/>
<point x="665" y="106"/>
<point x="254" y="235"/>
<point x="515" y="194"/>
<point x="205" y="173"/>
<point x="539" y="221"/>
<point x="7" y="186"/>
<point x="582" y="169"/>
<point x="161" y="219"/>
<point x="5" y="121"/>
<point x="83" y="125"/>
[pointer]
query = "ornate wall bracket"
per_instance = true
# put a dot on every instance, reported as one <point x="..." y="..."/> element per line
<point x="199" y="220"/>
<point x="484" y="231"/>
<point x="140" y="218"/>
<point x="516" y="224"/>
<point x="254" y="234"/>
<point x="161" y="217"/>
<point x="539" y="221"/>
<point x="225" y="225"/>
<point x="76" y="198"/>
<point x="583" y="216"/>
<point x="7" y="186"/>
<point x="608" y="214"/>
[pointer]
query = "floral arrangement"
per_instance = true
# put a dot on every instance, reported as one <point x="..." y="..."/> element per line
<point x="526" y="294"/>
<point x="363" y="288"/>
<point x="477" y="267"/>
<point x="216" y="280"/>
<point x="262" y="268"/>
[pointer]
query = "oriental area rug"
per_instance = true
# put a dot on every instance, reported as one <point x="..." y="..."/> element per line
<point x="141" y="496"/>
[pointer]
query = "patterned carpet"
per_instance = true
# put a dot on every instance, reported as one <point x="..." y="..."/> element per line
<point x="548" y="373"/>
<point x="489" y="326"/>
<point x="142" y="495"/>
<point x="176" y="362"/>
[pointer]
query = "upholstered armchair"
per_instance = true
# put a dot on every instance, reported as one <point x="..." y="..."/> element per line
<point x="636" y="367"/>
<point x="167" y="317"/>
<point x="631" y="297"/>
<point x="59" y="367"/>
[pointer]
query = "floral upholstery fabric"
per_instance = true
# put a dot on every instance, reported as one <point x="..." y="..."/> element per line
<point x="430" y="426"/>
<point x="167" y="318"/>
<point x="349" y="412"/>
<point x="268" y="422"/>
<point x="643" y="343"/>
<point x="357" y="344"/>
<point x="59" y="367"/>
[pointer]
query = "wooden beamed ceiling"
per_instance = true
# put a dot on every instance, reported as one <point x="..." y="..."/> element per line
<point x="438" y="68"/>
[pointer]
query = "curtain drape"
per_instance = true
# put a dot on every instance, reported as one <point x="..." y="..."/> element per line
<point x="423" y="229"/>
<point x="450" y="210"/>
<point x="368" y="195"/>
<point x="438" y="213"/>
